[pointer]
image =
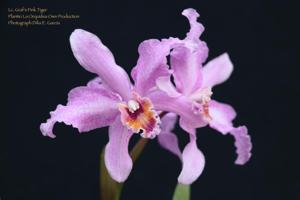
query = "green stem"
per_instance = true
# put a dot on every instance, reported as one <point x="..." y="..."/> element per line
<point x="138" y="149"/>
<point x="182" y="192"/>
<point x="110" y="189"/>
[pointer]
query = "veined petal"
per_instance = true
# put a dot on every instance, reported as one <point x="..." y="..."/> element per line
<point x="222" y="116"/>
<point x="152" y="63"/>
<point x="95" y="57"/>
<point x="242" y="143"/>
<point x="193" y="162"/>
<point x="87" y="108"/>
<point x="117" y="159"/>
<point x="187" y="59"/>
<point x="167" y="139"/>
<point x="217" y="70"/>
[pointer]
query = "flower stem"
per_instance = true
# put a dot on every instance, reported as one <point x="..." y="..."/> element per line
<point x="138" y="149"/>
<point x="110" y="189"/>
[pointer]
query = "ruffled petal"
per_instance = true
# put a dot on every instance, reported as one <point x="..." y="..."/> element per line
<point x="221" y="116"/>
<point x="167" y="139"/>
<point x="193" y="162"/>
<point x="187" y="59"/>
<point x="217" y="70"/>
<point x="97" y="58"/>
<point x="152" y="63"/>
<point x="87" y="109"/>
<point x="117" y="159"/>
<point x="196" y="28"/>
<point x="242" y="143"/>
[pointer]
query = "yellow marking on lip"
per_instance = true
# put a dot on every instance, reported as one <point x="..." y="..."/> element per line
<point x="143" y="119"/>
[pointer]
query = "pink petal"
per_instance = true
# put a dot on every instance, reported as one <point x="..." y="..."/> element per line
<point x="196" y="28"/>
<point x="168" y="122"/>
<point x="97" y="58"/>
<point x="187" y="59"/>
<point x="187" y="126"/>
<point x="192" y="158"/>
<point x="243" y="144"/>
<point x="95" y="83"/>
<point x="117" y="159"/>
<point x="217" y="70"/>
<point x="186" y="64"/>
<point x="180" y="105"/>
<point x="152" y="63"/>
<point x="164" y="84"/>
<point x="193" y="162"/>
<point x="87" y="109"/>
<point x="167" y="139"/>
<point x="222" y="115"/>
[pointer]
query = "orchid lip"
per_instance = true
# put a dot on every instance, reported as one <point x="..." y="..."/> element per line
<point x="139" y="116"/>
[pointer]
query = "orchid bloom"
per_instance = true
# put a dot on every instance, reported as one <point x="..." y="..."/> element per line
<point x="195" y="82"/>
<point x="112" y="100"/>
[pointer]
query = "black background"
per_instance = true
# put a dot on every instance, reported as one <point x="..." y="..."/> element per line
<point x="39" y="70"/>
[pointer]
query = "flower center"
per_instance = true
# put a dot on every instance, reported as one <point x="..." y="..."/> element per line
<point x="133" y="106"/>
<point x="138" y="115"/>
<point x="201" y="100"/>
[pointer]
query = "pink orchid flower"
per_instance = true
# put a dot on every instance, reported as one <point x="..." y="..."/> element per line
<point x="111" y="100"/>
<point x="195" y="82"/>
